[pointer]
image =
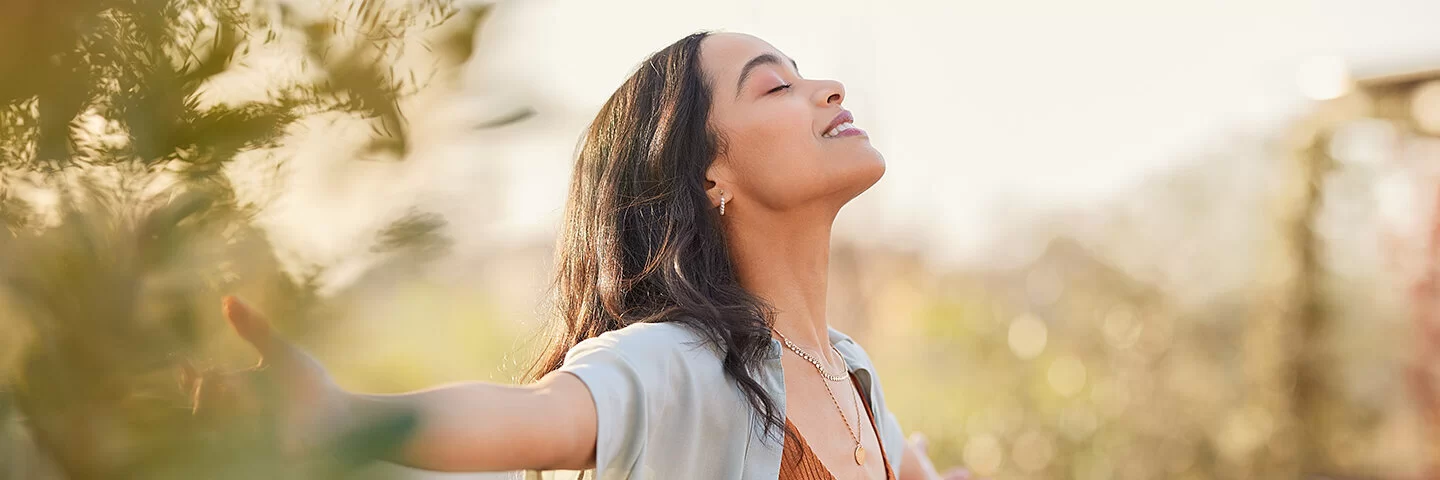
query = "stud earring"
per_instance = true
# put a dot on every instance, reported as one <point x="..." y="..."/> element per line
<point x="722" y="202"/>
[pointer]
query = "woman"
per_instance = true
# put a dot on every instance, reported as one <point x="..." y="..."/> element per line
<point x="691" y="280"/>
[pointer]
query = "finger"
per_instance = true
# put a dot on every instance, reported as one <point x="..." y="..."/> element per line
<point x="191" y="380"/>
<point x="196" y="390"/>
<point x="187" y="375"/>
<point x="251" y="325"/>
<point x="216" y="394"/>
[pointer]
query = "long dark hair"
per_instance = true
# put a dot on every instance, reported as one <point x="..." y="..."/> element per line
<point x="640" y="241"/>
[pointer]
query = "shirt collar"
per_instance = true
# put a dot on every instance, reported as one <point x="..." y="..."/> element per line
<point x="855" y="361"/>
<point x="849" y="350"/>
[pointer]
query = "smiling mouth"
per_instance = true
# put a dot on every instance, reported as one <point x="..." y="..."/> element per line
<point x="842" y="126"/>
<point x="838" y="129"/>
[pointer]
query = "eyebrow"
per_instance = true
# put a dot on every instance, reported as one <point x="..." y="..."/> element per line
<point x="762" y="59"/>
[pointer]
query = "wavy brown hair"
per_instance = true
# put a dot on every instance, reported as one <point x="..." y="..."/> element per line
<point x="640" y="242"/>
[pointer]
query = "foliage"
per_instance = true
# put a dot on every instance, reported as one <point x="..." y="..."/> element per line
<point x="122" y="227"/>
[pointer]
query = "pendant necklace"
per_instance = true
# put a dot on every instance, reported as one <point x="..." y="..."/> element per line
<point x="859" y="450"/>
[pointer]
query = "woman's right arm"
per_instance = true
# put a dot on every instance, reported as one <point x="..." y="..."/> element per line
<point x="472" y="426"/>
<point x="477" y="426"/>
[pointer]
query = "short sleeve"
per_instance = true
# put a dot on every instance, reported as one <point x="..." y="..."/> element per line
<point x="618" y="390"/>
<point x="894" y="439"/>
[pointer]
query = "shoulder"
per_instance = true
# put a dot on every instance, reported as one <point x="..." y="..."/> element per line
<point x="643" y="340"/>
<point x="655" y="349"/>
<point x="657" y="388"/>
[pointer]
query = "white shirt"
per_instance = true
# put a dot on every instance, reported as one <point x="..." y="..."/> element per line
<point x="667" y="411"/>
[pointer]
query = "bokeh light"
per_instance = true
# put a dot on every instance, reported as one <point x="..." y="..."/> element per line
<point x="1066" y="375"/>
<point x="1033" y="451"/>
<point x="983" y="454"/>
<point x="1027" y="336"/>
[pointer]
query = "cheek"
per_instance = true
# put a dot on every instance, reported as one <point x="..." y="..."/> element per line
<point x="783" y="164"/>
<point x="781" y="159"/>
<point x="776" y="134"/>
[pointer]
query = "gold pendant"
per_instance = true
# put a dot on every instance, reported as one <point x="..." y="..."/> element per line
<point x="859" y="455"/>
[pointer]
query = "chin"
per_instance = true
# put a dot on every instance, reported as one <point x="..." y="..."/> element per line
<point x="863" y="173"/>
<point x="873" y="166"/>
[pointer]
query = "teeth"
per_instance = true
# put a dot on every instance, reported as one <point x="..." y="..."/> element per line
<point x="838" y="128"/>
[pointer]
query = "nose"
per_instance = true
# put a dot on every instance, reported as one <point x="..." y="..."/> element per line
<point x="830" y="92"/>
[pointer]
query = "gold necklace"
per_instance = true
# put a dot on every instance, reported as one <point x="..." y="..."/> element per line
<point x="834" y="378"/>
<point x="859" y="450"/>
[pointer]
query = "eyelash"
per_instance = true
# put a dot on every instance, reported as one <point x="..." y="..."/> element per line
<point x="779" y="88"/>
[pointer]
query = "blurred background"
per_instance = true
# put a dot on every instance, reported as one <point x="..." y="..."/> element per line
<point x="1116" y="238"/>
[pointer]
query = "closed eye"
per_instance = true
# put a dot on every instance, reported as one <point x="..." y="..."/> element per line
<point x="779" y="88"/>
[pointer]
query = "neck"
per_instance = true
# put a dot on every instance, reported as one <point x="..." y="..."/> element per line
<point x="786" y="263"/>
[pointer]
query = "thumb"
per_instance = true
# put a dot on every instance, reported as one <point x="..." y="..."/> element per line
<point x="251" y="325"/>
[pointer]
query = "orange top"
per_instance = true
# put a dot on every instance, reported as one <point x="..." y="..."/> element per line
<point x="798" y="462"/>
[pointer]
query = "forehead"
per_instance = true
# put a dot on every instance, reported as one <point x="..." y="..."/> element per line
<point x="722" y="55"/>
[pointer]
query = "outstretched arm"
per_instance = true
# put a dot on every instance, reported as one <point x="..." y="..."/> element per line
<point x="478" y="426"/>
<point x="472" y="426"/>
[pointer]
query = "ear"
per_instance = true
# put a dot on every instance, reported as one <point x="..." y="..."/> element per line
<point x="717" y="180"/>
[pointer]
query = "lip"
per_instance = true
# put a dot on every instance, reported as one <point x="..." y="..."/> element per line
<point x="842" y="117"/>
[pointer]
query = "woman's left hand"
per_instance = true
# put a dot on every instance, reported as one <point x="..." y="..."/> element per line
<point x="917" y="456"/>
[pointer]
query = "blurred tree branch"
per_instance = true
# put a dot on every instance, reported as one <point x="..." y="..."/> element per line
<point x="106" y="108"/>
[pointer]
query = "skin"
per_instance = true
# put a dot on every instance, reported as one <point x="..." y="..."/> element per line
<point x="783" y="184"/>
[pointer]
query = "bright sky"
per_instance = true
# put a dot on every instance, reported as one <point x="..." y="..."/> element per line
<point x="976" y="105"/>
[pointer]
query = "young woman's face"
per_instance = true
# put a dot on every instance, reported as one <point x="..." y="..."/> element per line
<point x="782" y="151"/>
